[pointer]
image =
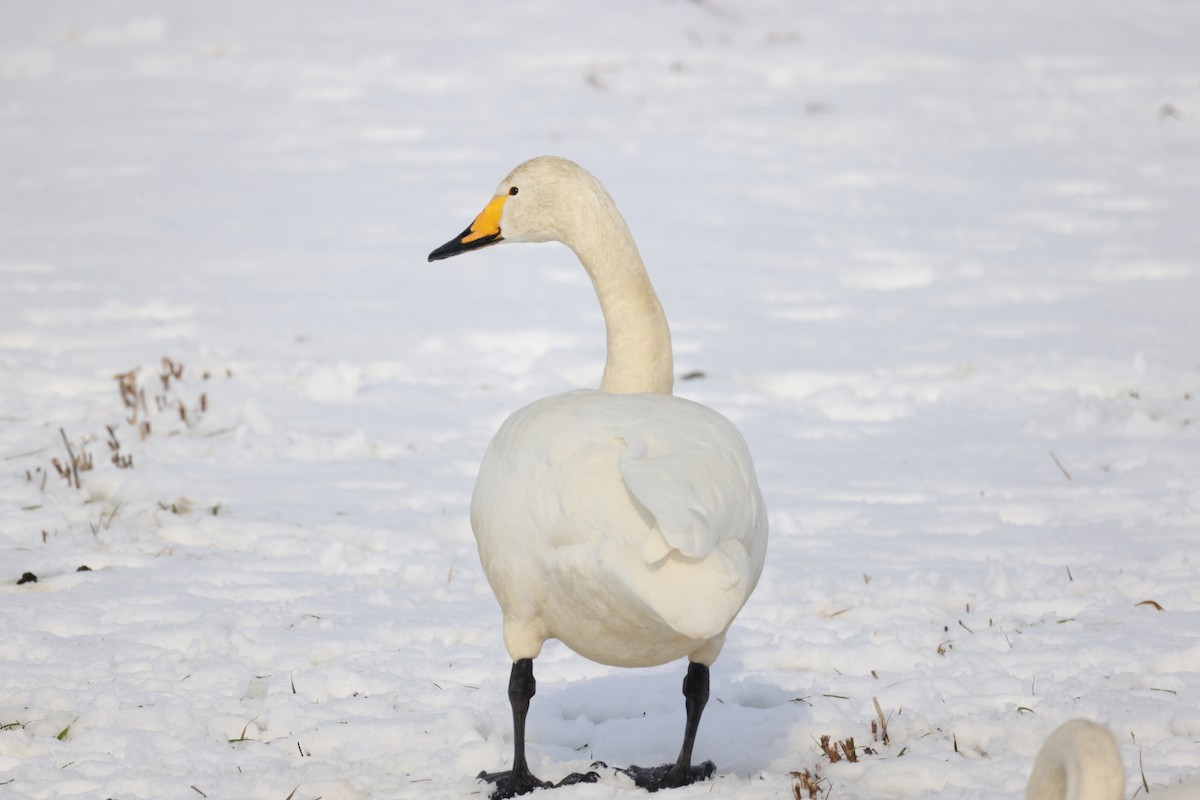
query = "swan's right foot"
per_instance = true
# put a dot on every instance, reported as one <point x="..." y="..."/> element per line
<point x="519" y="780"/>
<point x="510" y="784"/>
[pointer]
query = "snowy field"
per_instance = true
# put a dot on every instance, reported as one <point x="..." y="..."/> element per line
<point x="938" y="261"/>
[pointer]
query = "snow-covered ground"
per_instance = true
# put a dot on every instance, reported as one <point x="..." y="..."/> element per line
<point x="937" y="260"/>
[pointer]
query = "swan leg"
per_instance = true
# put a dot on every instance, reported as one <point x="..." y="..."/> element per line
<point x="681" y="773"/>
<point x="519" y="780"/>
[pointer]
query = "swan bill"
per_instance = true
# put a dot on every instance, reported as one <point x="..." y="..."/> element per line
<point x="485" y="230"/>
<point x="459" y="244"/>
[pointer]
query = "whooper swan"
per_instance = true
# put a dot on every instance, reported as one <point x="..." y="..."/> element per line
<point x="625" y="522"/>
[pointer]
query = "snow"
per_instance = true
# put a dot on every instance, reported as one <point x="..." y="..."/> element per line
<point x="936" y="260"/>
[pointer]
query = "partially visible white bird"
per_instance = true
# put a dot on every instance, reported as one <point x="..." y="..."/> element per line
<point x="625" y="522"/>
<point x="1080" y="761"/>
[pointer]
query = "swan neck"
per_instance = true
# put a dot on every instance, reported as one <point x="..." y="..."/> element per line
<point x="638" y="338"/>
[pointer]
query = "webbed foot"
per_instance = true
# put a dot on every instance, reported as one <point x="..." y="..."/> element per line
<point x="578" y="777"/>
<point x="509" y="784"/>
<point x="669" y="776"/>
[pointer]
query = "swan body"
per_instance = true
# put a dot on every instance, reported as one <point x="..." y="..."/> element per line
<point x="616" y="524"/>
<point x="625" y="522"/>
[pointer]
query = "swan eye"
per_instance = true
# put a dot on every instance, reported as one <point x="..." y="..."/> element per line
<point x="513" y="190"/>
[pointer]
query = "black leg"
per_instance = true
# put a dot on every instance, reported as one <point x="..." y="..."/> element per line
<point x="681" y="773"/>
<point x="519" y="780"/>
<point x="521" y="689"/>
<point x="695" y="694"/>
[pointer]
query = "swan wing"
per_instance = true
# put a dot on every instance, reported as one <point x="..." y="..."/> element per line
<point x="694" y="478"/>
<point x="690" y="470"/>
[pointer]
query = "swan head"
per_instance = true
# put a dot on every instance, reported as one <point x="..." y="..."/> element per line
<point x="545" y="199"/>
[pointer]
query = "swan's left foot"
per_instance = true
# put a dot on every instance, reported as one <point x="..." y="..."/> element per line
<point x="669" y="776"/>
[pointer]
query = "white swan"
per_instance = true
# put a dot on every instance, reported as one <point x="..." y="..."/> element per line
<point x="625" y="522"/>
<point x="1080" y="761"/>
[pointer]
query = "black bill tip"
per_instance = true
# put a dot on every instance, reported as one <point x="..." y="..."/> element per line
<point x="459" y="245"/>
